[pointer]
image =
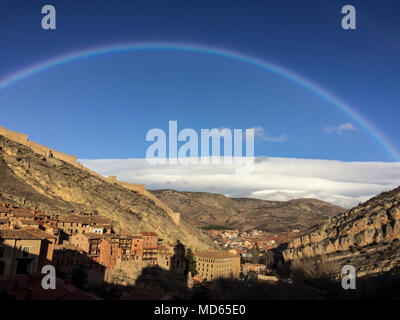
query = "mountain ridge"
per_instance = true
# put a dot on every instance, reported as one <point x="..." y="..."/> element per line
<point x="204" y="208"/>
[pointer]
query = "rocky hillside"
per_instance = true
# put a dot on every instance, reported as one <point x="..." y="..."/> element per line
<point x="204" y="209"/>
<point x="32" y="181"/>
<point x="366" y="236"/>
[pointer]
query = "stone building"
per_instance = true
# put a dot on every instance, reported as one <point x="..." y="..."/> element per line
<point x="254" y="267"/>
<point x="150" y="247"/>
<point x="137" y="247"/>
<point x="107" y="249"/>
<point x="213" y="264"/>
<point x="110" y="252"/>
<point x="172" y="258"/>
<point x="24" y="251"/>
<point x="67" y="257"/>
<point x="91" y="245"/>
<point x="74" y="224"/>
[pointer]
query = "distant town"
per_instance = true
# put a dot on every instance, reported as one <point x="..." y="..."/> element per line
<point x="244" y="242"/>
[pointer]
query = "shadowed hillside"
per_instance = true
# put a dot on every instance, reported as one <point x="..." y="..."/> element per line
<point x="33" y="181"/>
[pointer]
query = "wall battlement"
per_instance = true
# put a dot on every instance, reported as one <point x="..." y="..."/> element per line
<point x="38" y="148"/>
<point x="51" y="153"/>
<point x="14" y="136"/>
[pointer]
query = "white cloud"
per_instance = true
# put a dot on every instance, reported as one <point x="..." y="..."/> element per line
<point x="260" y="134"/>
<point x="342" y="183"/>
<point x="348" y="126"/>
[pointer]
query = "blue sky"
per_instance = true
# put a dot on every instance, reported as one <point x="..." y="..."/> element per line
<point x="101" y="107"/>
<point x="118" y="97"/>
<point x="113" y="100"/>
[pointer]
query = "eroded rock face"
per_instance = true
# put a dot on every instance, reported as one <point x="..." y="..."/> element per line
<point x="33" y="181"/>
<point x="373" y="226"/>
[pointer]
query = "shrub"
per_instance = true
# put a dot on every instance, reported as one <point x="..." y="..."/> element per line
<point x="318" y="268"/>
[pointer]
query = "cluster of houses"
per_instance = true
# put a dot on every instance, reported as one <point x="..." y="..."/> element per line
<point x="244" y="241"/>
<point x="31" y="239"/>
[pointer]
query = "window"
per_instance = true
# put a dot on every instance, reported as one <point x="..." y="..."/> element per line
<point x="2" y="252"/>
<point x="25" y="252"/>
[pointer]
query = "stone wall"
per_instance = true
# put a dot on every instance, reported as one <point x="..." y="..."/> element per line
<point x="48" y="152"/>
<point x="65" y="157"/>
<point x="14" y="136"/>
<point x="131" y="186"/>
<point x="175" y="216"/>
<point x="38" y="148"/>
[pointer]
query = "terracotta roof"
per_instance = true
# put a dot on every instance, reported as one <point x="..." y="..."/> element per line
<point x="66" y="247"/>
<point x="30" y="222"/>
<point x="42" y="214"/>
<point x="137" y="237"/>
<point x="129" y="235"/>
<point x="215" y="254"/>
<point x="110" y="239"/>
<point x="93" y="235"/>
<point x="23" y="213"/>
<point x="100" y="225"/>
<point x="121" y="236"/>
<point x="24" y="234"/>
<point x="69" y="219"/>
<point x="164" y="248"/>
<point x="147" y="234"/>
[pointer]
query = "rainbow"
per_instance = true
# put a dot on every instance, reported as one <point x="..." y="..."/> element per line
<point x="228" y="54"/>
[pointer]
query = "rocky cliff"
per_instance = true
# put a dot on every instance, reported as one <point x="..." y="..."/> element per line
<point x="31" y="180"/>
<point x="203" y="209"/>
<point x="366" y="236"/>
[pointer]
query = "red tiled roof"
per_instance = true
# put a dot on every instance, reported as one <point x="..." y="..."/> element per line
<point x="92" y="235"/>
<point x="149" y="234"/>
<point x="22" y="213"/>
<point x="215" y="254"/>
<point x="24" y="234"/>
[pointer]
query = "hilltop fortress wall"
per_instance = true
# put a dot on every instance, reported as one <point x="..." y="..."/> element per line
<point x="38" y="148"/>
<point x="14" y="136"/>
<point x="51" y="153"/>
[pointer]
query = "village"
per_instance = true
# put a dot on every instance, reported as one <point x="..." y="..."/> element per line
<point x="31" y="239"/>
<point x="248" y="242"/>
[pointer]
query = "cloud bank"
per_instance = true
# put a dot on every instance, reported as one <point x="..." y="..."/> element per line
<point x="342" y="183"/>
